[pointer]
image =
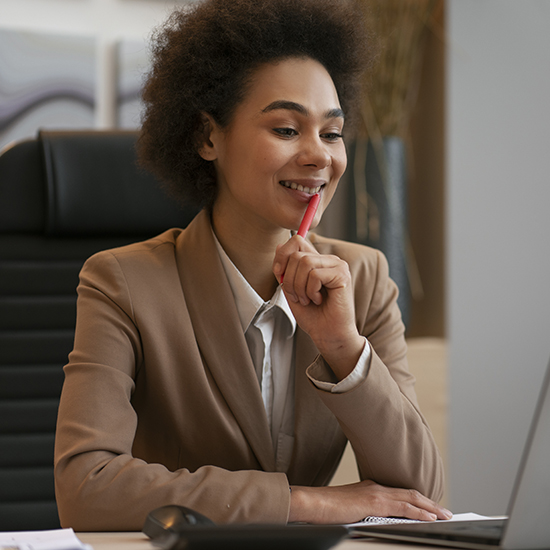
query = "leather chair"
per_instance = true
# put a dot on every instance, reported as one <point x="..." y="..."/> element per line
<point x="63" y="197"/>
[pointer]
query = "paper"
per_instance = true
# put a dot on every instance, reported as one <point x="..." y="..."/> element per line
<point x="471" y="516"/>
<point x="54" y="539"/>
<point x="371" y="520"/>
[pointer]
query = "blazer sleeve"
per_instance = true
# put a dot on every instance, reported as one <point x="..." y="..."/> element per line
<point x="100" y="485"/>
<point x="391" y="440"/>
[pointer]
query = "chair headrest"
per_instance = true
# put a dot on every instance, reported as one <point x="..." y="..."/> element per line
<point x="22" y="189"/>
<point x="93" y="186"/>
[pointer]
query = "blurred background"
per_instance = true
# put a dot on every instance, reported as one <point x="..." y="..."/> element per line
<point x="454" y="187"/>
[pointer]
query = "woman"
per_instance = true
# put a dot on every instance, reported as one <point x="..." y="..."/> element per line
<point x="225" y="366"/>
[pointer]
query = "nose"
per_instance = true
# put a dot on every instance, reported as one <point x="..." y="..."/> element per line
<point x="314" y="153"/>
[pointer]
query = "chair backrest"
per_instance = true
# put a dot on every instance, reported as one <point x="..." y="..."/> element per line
<point x="63" y="197"/>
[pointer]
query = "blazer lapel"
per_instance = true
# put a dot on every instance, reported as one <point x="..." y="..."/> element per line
<point x="221" y="342"/>
<point x="315" y="427"/>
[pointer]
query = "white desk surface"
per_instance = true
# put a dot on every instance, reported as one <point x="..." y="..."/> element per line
<point x="138" y="541"/>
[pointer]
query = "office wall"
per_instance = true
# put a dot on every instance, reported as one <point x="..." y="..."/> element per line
<point x="426" y="189"/>
<point x="498" y="229"/>
<point x="107" y="21"/>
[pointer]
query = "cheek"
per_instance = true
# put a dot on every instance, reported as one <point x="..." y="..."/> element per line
<point x="274" y="155"/>
<point x="340" y="162"/>
<point x="260" y="156"/>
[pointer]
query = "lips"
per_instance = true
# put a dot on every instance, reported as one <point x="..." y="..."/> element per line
<point x="298" y="187"/>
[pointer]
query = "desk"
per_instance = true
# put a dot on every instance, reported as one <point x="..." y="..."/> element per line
<point x="138" y="541"/>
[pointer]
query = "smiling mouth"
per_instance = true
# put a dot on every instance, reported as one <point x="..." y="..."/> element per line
<point x="297" y="187"/>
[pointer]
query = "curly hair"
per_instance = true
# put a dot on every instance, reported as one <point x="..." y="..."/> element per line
<point x="203" y="58"/>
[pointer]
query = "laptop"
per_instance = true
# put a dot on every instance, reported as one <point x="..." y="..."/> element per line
<point x="527" y="525"/>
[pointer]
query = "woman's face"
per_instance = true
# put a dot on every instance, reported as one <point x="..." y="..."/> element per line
<point x="283" y="145"/>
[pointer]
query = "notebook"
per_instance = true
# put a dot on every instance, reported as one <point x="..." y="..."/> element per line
<point x="527" y="525"/>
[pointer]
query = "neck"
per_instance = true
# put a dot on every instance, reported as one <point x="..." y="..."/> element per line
<point x="251" y="250"/>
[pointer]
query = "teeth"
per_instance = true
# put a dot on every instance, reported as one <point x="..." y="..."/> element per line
<point x="296" y="187"/>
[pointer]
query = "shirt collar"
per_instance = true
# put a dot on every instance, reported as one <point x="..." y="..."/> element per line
<point x="248" y="301"/>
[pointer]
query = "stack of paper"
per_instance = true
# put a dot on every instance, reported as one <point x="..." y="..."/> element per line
<point x="55" y="539"/>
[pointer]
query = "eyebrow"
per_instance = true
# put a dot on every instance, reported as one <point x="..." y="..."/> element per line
<point x="299" y="108"/>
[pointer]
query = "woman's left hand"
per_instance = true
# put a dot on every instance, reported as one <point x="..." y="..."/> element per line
<point x="319" y="291"/>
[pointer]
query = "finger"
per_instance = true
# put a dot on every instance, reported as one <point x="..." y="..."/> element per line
<point x="421" y="501"/>
<point x="306" y="284"/>
<point x="290" y="273"/>
<point x="284" y="252"/>
<point x="330" y="278"/>
<point x="315" y="286"/>
<point x="307" y="274"/>
<point x="417" y="506"/>
<point x="409" y="511"/>
<point x="279" y="264"/>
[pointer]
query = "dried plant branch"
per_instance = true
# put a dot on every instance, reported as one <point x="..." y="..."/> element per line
<point x="399" y="28"/>
<point x="391" y="89"/>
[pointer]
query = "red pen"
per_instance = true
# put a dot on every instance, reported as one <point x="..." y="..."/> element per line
<point x="309" y="215"/>
<point x="308" y="218"/>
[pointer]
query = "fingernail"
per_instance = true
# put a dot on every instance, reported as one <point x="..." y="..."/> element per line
<point x="447" y="513"/>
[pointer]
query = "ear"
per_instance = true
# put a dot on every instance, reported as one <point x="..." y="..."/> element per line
<point x="206" y="148"/>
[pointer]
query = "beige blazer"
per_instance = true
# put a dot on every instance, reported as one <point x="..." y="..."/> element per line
<point x="161" y="403"/>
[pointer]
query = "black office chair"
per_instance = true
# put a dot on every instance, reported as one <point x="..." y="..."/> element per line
<point x="63" y="197"/>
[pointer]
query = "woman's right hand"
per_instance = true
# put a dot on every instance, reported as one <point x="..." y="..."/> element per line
<point x="352" y="503"/>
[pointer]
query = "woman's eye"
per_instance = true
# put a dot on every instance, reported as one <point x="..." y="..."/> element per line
<point x="332" y="136"/>
<point x="285" y="132"/>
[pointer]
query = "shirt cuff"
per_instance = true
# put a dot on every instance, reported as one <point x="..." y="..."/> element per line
<point x="353" y="379"/>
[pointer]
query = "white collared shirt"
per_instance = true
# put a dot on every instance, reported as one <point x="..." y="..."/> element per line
<point x="269" y="329"/>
